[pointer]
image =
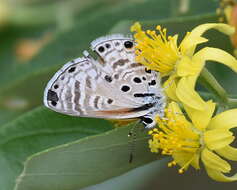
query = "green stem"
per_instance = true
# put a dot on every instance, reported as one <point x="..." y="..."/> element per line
<point x="209" y="82"/>
<point x="206" y="95"/>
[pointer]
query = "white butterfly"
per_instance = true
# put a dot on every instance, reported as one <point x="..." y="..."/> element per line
<point x="113" y="86"/>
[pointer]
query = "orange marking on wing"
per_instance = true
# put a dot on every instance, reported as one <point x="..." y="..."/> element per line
<point x="122" y="122"/>
<point x="113" y="112"/>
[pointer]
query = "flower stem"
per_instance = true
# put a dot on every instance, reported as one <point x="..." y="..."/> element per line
<point x="209" y="82"/>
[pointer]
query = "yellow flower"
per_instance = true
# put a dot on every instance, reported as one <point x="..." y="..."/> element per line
<point x="204" y="138"/>
<point x="180" y="62"/>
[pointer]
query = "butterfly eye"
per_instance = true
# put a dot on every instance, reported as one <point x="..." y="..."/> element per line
<point x="55" y="86"/>
<point x="101" y="49"/>
<point x="128" y="44"/>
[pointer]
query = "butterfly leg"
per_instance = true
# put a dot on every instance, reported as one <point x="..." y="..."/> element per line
<point x="133" y="134"/>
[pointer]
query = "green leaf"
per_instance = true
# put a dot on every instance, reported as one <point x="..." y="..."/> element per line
<point x="6" y="115"/>
<point x="36" y="131"/>
<point x="85" y="162"/>
<point x="138" y="178"/>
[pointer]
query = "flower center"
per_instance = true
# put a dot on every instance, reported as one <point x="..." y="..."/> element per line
<point x="175" y="136"/>
<point x="156" y="51"/>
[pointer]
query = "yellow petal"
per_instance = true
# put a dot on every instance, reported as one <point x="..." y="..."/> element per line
<point x="218" y="138"/>
<point x="217" y="55"/>
<point x="187" y="67"/>
<point x="224" y="28"/>
<point x="173" y="107"/>
<point x="136" y="27"/>
<point x="213" y="161"/>
<point x="170" y="87"/>
<point x="174" y="41"/>
<point x="182" y="158"/>
<point x="195" y="162"/>
<point x="227" y="120"/>
<point x="218" y="176"/>
<point x="175" y="114"/>
<point x="199" y="30"/>
<point x="201" y="118"/>
<point x="187" y="95"/>
<point x="187" y="46"/>
<point x="228" y="152"/>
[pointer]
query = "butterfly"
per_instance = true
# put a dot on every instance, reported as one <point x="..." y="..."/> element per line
<point x="112" y="86"/>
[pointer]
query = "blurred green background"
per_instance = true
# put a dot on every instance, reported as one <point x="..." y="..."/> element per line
<point x="38" y="36"/>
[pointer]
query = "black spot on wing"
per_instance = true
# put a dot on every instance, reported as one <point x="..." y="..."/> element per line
<point x="96" y="102"/>
<point x="107" y="45"/>
<point x="128" y="44"/>
<point x="109" y="101"/>
<point x="54" y="103"/>
<point x="137" y="80"/>
<point x="152" y="83"/>
<point x="143" y="107"/>
<point x="52" y="96"/>
<point x="125" y="88"/>
<point x="72" y="69"/>
<point x="108" y="78"/>
<point x="139" y="95"/>
<point x="101" y="49"/>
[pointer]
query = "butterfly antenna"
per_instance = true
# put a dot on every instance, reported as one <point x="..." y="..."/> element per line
<point x="133" y="134"/>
